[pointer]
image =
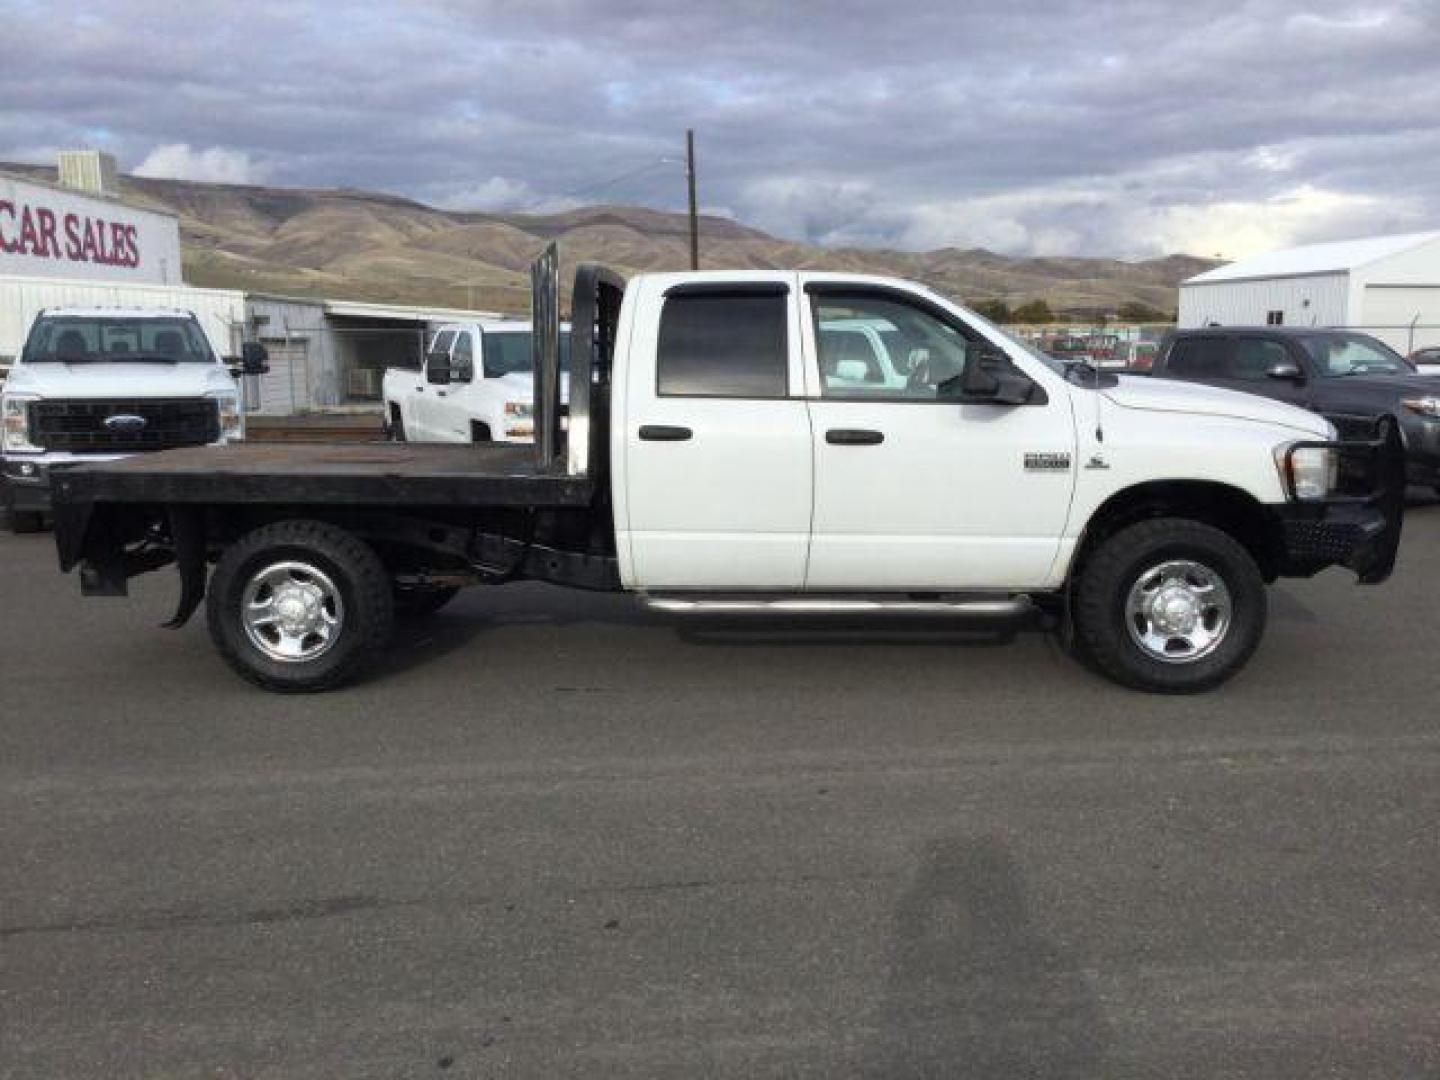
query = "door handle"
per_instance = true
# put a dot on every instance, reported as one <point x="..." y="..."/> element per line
<point x="440" y="393"/>
<point x="664" y="433"/>
<point x="421" y="389"/>
<point x="854" y="437"/>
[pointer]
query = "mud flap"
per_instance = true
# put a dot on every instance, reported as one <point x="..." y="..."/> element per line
<point x="1389" y="499"/>
<point x="187" y="533"/>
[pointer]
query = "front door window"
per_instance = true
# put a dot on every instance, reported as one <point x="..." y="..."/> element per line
<point x="872" y="347"/>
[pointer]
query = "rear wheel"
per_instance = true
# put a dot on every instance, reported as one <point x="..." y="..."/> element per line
<point x="397" y="424"/>
<point x="300" y="606"/>
<point x="26" y="521"/>
<point x="1170" y="605"/>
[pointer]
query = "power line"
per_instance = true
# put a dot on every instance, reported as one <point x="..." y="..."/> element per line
<point x="602" y="184"/>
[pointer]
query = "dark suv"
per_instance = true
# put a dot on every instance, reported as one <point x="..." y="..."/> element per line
<point x="1350" y="378"/>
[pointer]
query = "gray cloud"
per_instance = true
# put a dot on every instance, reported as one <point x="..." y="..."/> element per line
<point x="1128" y="128"/>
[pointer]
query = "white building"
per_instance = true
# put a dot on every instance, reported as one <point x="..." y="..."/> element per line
<point x="48" y="231"/>
<point x="61" y="247"/>
<point x="1388" y="286"/>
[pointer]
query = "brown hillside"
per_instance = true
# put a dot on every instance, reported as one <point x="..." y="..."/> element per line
<point x="369" y="246"/>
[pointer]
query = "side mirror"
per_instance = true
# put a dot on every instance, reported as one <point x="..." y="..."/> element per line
<point x="1287" y="370"/>
<point x="254" y="359"/>
<point x="990" y="379"/>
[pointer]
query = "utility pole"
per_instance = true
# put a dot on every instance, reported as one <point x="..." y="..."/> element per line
<point x="694" y="214"/>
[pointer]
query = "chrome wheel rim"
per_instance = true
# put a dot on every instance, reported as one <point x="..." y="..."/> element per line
<point x="1179" y="611"/>
<point x="292" y="612"/>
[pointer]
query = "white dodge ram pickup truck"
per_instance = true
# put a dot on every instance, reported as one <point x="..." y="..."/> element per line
<point x="723" y="456"/>
<point x="94" y="384"/>
<point x="450" y="400"/>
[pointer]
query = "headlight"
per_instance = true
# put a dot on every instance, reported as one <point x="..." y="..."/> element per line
<point x="232" y="421"/>
<point x="1309" y="473"/>
<point x="518" y="424"/>
<point x="1425" y="406"/>
<point x="16" y="415"/>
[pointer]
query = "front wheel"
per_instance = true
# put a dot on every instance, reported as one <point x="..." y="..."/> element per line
<point x="1170" y="605"/>
<point x="300" y="606"/>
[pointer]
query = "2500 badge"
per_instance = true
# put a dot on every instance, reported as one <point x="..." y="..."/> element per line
<point x="1047" y="462"/>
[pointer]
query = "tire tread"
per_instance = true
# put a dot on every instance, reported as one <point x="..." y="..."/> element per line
<point x="1103" y="639"/>
<point x="370" y="610"/>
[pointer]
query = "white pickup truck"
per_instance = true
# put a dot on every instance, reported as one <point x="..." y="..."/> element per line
<point x="95" y="384"/>
<point x="452" y="400"/>
<point x="723" y="456"/>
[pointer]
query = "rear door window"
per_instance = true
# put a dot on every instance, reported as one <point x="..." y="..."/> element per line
<point x="723" y="344"/>
<point x="1198" y="358"/>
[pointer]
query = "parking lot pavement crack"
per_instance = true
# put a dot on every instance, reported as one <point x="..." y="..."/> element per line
<point x="170" y="920"/>
<point x="342" y="906"/>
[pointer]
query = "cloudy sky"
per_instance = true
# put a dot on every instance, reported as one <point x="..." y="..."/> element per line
<point x="1126" y="127"/>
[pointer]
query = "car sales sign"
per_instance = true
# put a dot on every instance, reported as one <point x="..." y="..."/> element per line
<point x="55" y="233"/>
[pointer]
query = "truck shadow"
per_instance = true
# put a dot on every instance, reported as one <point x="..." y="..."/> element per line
<point x="974" y="989"/>
<point x="418" y="642"/>
<point x="873" y="630"/>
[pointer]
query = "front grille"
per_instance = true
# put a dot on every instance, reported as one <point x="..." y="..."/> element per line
<point x="80" y="426"/>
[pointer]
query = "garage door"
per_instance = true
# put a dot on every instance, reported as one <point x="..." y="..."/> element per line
<point x="285" y="389"/>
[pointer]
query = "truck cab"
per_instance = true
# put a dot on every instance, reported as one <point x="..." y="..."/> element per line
<point x="97" y="384"/>
<point x="475" y="385"/>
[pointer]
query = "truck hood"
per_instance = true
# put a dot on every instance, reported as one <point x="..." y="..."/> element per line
<point x="50" y="380"/>
<point x="1194" y="399"/>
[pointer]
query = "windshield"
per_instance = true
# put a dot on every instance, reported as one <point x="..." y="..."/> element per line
<point x="1355" y="354"/>
<point x="507" y="352"/>
<point x="105" y="340"/>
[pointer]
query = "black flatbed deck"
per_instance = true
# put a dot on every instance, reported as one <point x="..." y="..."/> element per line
<point x="368" y="474"/>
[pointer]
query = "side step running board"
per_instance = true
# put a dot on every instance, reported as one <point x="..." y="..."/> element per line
<point x="987" y="607"/>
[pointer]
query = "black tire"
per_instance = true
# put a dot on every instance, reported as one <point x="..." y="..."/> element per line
<point x="1102" y="628"/>
<point x="397" y="424"/>
<point x="352" y="568"/>
<point x="416" y="602"/>
<point x="24" y="522"/>
<point x="480" y="433"/>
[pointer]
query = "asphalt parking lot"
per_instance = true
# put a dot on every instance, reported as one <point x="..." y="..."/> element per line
<point x="558" y="836"/>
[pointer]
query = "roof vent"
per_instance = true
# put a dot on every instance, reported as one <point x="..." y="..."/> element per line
<point x="88" y="170"/>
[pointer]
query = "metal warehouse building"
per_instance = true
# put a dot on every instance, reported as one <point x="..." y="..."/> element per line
<point x="1388" y="286"/>
<point x="61" y="247"/>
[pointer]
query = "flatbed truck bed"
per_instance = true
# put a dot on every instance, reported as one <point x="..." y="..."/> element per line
<point x="377" y="474"/>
